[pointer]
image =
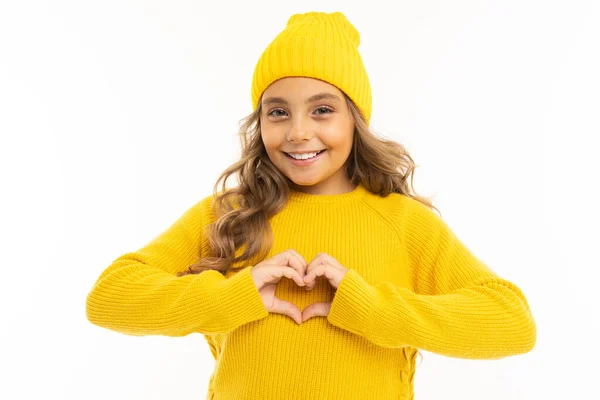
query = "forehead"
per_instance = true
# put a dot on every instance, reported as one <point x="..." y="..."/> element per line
<point x="299" y="87"/>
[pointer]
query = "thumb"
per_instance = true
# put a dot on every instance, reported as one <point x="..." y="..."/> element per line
<point x="286" y="308"/>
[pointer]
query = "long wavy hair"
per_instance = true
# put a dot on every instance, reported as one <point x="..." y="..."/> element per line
<point x="383" y="166"/>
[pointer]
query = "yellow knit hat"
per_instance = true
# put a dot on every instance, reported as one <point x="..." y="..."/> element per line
<point x="316" y="45"/>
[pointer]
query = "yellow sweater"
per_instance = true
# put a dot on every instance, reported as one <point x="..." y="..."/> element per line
<point x="411" y="284"/>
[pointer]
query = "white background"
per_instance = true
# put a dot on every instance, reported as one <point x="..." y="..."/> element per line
<point x="116" y="116"/>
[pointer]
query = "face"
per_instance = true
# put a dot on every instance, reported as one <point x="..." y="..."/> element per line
<point x="305" y="115"/>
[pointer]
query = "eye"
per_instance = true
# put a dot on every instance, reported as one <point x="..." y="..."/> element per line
<point x="275" y="110"/>
<point x="326" y="109"/>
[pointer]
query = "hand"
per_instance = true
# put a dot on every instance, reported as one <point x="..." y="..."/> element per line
<point x="268" y="272"/>
<point x="322" y="265"/>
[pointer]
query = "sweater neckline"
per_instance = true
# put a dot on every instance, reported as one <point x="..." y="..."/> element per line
<point x="354" y="195"/>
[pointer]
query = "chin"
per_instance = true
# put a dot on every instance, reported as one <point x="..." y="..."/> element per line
<point x="305" y="182"/>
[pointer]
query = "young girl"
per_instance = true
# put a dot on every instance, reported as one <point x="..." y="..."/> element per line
<point x="372" y="273"/>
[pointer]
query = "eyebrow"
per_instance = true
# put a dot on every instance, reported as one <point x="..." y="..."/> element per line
<point x="318" y="96"/>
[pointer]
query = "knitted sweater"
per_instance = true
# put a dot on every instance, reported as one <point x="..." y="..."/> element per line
<point x="411" y="284"/>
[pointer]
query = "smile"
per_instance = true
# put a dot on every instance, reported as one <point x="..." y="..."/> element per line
<point x="308" y="161"/>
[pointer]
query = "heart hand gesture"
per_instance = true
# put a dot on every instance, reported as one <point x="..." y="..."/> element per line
<point x="322" y="265"/>
<point x="292" y="265"/>
<point x="268" y="273"/>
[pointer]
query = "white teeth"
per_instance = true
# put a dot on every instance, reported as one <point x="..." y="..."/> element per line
<point x="303" y="156"/>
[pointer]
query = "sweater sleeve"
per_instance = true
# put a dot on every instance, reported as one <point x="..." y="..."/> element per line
<point x="140" y="294"/>
<point x="460" y="307"/>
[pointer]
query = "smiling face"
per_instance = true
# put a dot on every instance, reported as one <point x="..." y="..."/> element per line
<point x="305" y="115"/>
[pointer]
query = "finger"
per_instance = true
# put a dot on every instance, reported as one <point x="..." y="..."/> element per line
<point x="274" y="273"/>
<point x="316" y="310"/>
<point x="291" y="273"/>
<point x="300" y="263"/>
<point x="313" y="263"/>
<point x="290" y="259"/>
<point x="287" y="308"/>
<point x="318" y="270"/>
<point x="301" y="259"/>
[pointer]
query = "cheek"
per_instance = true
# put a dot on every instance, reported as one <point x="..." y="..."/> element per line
<point x="340" y="143"/>
<point x="269" y="139"/>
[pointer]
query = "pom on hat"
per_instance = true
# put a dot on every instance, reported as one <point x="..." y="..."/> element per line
<point x="316" y="45"/>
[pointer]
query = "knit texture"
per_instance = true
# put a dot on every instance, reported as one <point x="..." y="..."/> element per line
<point x="411" y="284"/>
<point x="316" y="45"/>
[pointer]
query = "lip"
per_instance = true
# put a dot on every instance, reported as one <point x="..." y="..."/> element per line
<point x="309" y="161"/>
<point x="303" y="152"/>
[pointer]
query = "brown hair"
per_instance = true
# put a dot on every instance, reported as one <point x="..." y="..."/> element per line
<point x="383" y="166"/>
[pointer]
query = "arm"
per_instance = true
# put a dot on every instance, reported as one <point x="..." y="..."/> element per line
<point x="460" y="308"/>
<point x="140" y="293"/>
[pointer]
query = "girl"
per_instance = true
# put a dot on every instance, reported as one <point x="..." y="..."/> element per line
<point x="372" y="273"/>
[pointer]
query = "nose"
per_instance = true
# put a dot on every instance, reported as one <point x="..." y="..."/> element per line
<point x="299" y="130"/>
